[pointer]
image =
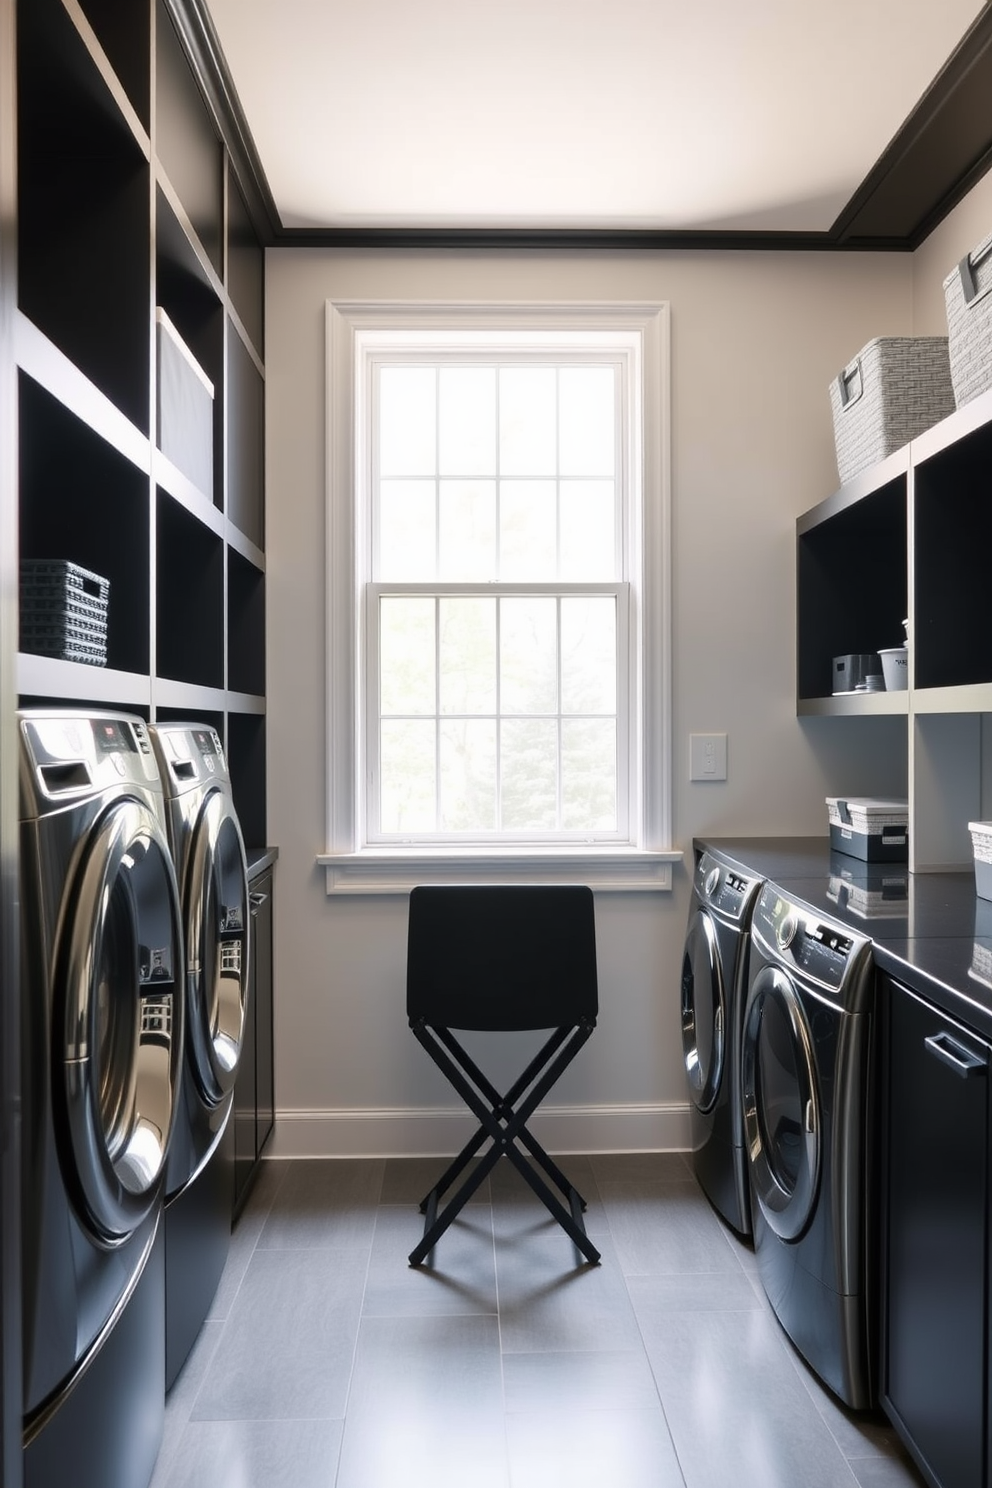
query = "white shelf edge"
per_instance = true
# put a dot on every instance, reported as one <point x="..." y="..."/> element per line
<point x="46" y="676"/>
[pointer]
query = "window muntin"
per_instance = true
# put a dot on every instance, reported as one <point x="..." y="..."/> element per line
<point x="497" y="628"/>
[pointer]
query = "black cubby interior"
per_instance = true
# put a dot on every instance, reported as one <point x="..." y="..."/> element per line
<point x="184" y="290"/>
<point x="852" y="585"/>
<point x="124" y="32"/>
<point x="245" y="625"/>
<point x="83" y="220"/>
<point x="82" y="501"/>
<point x="953" y="541"/>
<point x="245" y="267"/>
<point x="245" y="441"/>
<point x="246" y="760"/>
<point x="189" y="597"/>
<point x="186" y="140"/>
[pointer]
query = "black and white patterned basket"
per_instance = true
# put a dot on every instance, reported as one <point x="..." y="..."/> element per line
<point x="969" y="323"/>
<point x="895" y="387"/>
<point x="64" y="611"/>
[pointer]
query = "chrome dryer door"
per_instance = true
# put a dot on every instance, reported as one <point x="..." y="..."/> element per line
<point x="217" y="920"/>
<point x="704" y="1011"/>
<point x="118" y="1019"/>
<point x="782" y="1122"/>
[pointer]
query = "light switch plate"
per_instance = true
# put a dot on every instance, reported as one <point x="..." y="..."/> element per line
<point x="707" y="756"/>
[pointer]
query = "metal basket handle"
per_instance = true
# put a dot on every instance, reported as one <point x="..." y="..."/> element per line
<point x="966" y="273"/>
<point x="845" y="381"/>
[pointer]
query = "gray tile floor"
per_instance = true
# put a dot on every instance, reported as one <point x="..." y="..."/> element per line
<point x="328" y="1363"/>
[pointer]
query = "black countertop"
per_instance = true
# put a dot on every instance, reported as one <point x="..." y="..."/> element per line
<point x="930" y="930"/>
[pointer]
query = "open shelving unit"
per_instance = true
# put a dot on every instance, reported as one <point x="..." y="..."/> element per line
<point x="129" y="199"/>
<point x="911" y="537"/>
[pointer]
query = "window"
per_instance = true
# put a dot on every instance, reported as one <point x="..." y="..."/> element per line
<point x="498" y="613"/>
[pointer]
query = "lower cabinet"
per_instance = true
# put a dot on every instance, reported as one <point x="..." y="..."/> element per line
<point x="935" y="1238"/>
<point x="254" y="1104"/>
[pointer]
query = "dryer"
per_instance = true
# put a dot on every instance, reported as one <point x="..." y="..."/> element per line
<point x="102" y="1025"/>
<point x="712" y="1002"/>
<point x="806" y="1088"/>
<point x="211" y="867"/>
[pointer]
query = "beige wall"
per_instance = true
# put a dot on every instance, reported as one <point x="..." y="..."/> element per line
<point x="755" y="340"/>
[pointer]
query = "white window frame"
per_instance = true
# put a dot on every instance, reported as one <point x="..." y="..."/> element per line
<point x="355" y="333"/>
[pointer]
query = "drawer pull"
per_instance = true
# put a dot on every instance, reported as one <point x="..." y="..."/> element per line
<point x="961" y="1060"/>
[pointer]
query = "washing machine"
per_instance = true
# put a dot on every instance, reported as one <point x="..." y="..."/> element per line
<point x="102" y="1033"/>
<point x="712" y="1002"/>
<point x="806" y="1086"/>
<point x="211" y="867"/>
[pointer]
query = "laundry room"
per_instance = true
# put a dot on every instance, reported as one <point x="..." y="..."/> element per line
<point x="298" y="624"/>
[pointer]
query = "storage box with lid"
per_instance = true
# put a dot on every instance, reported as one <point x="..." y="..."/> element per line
<point x="865" y="827"/>
<point x="894" y="389"/>
<point x="969" y="323"/>
<point x="981" y="842"/>
<point x="185" y="399"/>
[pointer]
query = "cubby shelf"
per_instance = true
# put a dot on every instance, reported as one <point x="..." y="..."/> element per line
<point x="910" y="538"/>
<point x="128" y="200"/>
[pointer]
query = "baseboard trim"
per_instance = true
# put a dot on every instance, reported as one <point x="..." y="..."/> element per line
<point x="439" y="1132"/>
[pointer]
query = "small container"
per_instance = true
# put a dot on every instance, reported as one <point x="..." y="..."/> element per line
<point x="851" y="670"/>
<point x="875" y="830"/>
<point x="894" y="389"/>
<point x="981" y="842"/>
<point x="895" y="668"/>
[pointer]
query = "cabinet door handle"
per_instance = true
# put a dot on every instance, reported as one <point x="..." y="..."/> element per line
<point x="961" y="1060"/>
<point x="256" y="901"/>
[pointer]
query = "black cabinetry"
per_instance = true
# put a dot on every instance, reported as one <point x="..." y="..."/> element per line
<point x="935" y="1238"/>
<point x="254" y="1104"/>
<point x="128" y="200"/>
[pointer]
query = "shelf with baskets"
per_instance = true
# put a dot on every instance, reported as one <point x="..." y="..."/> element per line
<point x="910" y="537"/>
<point x="141" y="469"/>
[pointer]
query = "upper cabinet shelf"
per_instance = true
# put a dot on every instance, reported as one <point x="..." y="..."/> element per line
<point x="133" y="216"/>
<point x="910" y="537"/>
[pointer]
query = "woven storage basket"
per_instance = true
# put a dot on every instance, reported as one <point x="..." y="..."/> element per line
<point x="969" y="323"/>
<point x="64" y="611"/>
<point x="895" y="387"/>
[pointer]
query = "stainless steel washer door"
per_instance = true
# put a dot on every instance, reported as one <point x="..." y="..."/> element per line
<point x="118" y="1025"/>
<point x="704" y="1011"/>
<point x="781" y="1104"/>
<point x="217" y="920"/>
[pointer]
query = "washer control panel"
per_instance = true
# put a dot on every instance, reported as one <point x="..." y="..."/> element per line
<point x="723" y="888"/>
<point x="824" y="951"/>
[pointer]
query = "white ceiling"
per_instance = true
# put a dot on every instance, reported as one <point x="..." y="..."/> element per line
<point x="611" y="114"/>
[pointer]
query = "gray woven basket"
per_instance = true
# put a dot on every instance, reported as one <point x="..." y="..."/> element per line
<point x="895" y="387"/>
<point x="969" y="323"/>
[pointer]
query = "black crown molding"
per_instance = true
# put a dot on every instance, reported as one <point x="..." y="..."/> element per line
<point x="937" y="156"/>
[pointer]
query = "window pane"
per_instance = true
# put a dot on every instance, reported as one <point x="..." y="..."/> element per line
<point x="407" y="420"/>
<point x="529" y="775"/>
<point x="467" y="421"/>
<point x="468" y="530"/>
<point x="407" y="776"/>
<point x="528" y="441"/>
<point x="528" y="530"/>
<point x="589" y="655"/>
<point x="468" y="655"/>
<point x="586" y="412"/>
<point x="468" y="775"/>
<point x="406" y="656"/>
<point x="528" y="655"/>
<point x="405" y="531"/>
<point x="588" y="531"/>
<point x="588" y="775"/>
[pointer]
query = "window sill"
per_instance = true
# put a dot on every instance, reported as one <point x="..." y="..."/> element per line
<point x="391" y="871"/>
